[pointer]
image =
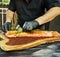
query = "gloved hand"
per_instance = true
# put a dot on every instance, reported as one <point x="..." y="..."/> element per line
<point x="30" y="25"/>
<point x="6" y="26"/>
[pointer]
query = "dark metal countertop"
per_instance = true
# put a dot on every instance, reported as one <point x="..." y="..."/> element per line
<point x="45" y="50"/>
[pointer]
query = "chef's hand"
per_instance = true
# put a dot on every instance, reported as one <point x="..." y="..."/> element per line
<point x="30" y="25"/>
<point x="6" y="26"/>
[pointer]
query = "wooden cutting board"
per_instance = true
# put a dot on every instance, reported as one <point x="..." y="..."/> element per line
<point x="6" y="47"/>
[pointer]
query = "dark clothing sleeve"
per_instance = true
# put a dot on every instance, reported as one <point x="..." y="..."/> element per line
<point x="11" y="5"/>
<point x="52" y="3"/>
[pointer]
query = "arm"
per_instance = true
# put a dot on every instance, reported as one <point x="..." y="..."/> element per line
<point x="49" y="15"/>
<point x="9" y="15"/>
<point x="7" y="25"/>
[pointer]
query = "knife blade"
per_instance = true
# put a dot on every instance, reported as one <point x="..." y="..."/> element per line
<point x="19" y="28"/>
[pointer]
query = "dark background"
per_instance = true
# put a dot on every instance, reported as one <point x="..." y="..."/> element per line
<point x="55" y="24"/>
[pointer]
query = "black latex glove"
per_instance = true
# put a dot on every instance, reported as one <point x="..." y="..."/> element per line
<point x="6" y="26"/>
<point x="30" y="25"/>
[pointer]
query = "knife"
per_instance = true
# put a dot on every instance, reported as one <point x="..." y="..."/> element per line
<point x="19" y="28"/>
